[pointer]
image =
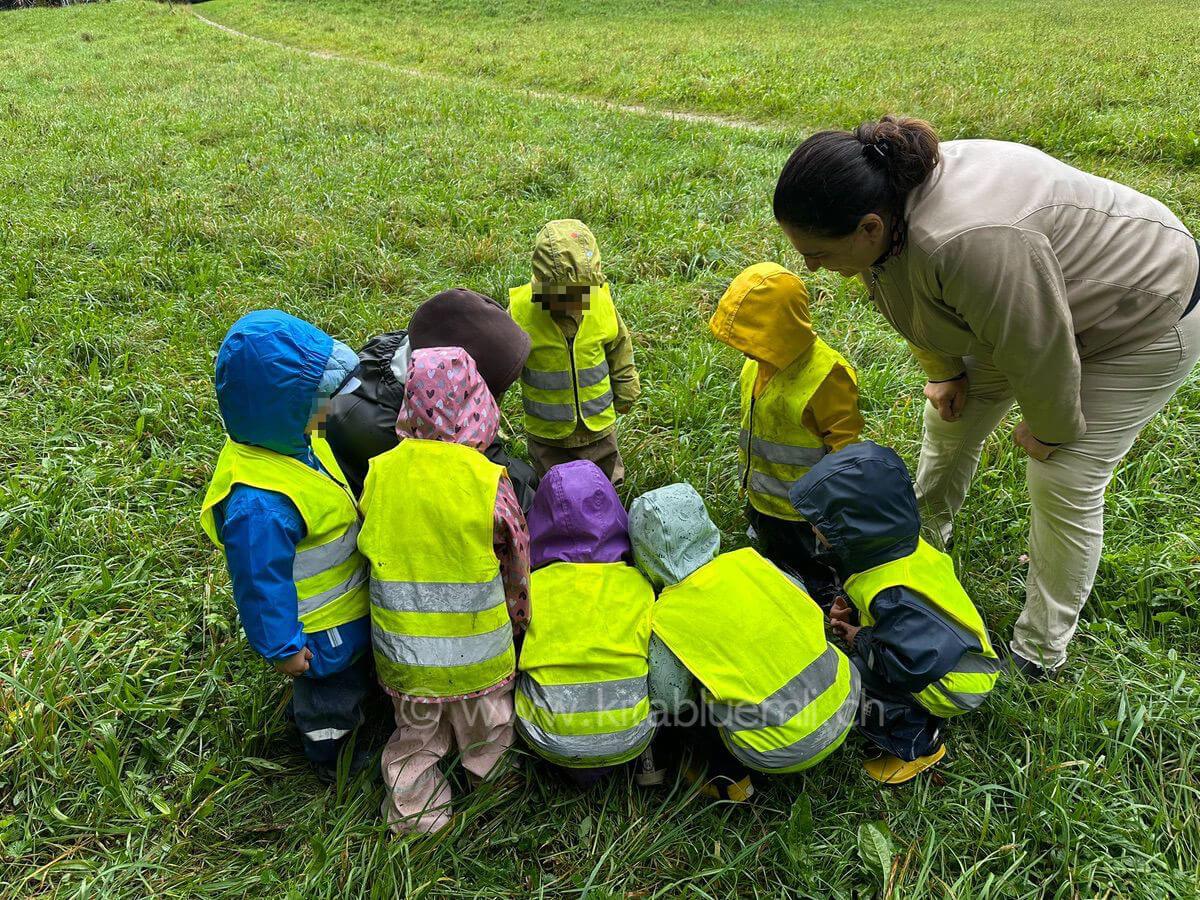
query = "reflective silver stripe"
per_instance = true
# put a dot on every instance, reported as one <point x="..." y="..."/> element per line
<point x="784" y="454"/>
<point x="326" y="734"/>
<point x="316" y="560"/>
<point x="585" y="747"/>
<point x="546" y="381"/>
<point x="437" y="596"/>
<point x="765" y="484"/>
<point x="313" y="603"/>
<point x="549" y="412"/>
<point x="596" y="406"/>
<point x="592" y="375"/>
<point x="442" y="652"/>
<point x="780" y="707"/>
<point x="595" y="696"/>
<point x="965" y="702"/>
<point x="812" y="744"/>
<point x="977" y="664"/>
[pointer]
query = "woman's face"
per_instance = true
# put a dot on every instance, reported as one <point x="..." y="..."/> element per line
<point x="850" y="255"/>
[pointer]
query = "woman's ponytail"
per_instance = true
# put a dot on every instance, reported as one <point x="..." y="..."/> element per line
<point x="907" y="147"/>
<point x="835" y="178"/>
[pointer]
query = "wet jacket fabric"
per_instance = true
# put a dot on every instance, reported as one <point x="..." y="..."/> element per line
<point x="862" y="500"/>
<point x="272" y="368"/>
<point x="446" y="400"/>
<point x="362" y="424"/>
<point x="1023" y="261"/>
<point x="765" y="315"/>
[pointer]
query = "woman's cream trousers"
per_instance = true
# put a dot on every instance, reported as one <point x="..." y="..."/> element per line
<point x="1066" y="493"/>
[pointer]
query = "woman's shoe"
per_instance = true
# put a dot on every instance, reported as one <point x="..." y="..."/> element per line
<point x="894" y="770"/>
<point x="1030" y="670"/>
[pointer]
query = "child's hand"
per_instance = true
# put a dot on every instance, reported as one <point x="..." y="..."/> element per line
<point x="846" y="631"/>
<point x="840" y="611"/>
<point x="295" y="665"/>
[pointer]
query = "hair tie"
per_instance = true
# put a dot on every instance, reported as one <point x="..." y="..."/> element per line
<point x="881" y="149"/>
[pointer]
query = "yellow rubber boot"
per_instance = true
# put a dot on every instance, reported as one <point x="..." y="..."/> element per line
<point x="894" y="770"/>
<point x="721" y="787"/>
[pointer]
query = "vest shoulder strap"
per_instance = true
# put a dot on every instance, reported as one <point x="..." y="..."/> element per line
<point x="270" y="471"/>
<point x="928" y="572"/>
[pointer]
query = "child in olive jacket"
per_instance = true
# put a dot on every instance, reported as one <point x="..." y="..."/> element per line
<point x="580" y="374"/>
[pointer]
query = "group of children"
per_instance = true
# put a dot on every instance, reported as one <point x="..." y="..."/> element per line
<point x="498" y="598"/>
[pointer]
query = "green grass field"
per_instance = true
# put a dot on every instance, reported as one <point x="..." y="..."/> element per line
<point x="159" y="177"/>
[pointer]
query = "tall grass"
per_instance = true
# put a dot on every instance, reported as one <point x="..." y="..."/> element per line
<point x="160" y="178"/>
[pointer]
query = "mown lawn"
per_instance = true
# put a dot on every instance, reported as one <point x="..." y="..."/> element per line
<point x="158" y="178"/>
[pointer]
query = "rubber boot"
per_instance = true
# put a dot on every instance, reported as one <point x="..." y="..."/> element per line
<point x="893" y="770"/>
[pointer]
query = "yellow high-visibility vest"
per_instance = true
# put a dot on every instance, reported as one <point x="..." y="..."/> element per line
<point x="930" y="574"/>
<point x="582" y="697"/>
<point x="329" y="572"/>
<point x="565" y="382"/>
<point x="439" y="620"/>
<point x="782" y="697"/>
<point x="774" y="448"/>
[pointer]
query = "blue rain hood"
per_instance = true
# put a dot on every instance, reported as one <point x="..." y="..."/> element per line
<point x="271" y="372"/>
<point x="861" y="498"/>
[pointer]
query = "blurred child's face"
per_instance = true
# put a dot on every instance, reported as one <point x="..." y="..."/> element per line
<point x="320" y="412"/>
<point x="563" y="298"/>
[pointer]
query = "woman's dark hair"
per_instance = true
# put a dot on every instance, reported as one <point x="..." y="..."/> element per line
<point x="835" y="178"/>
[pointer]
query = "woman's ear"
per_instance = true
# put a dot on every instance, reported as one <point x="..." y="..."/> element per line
<point x="872" y="226"/>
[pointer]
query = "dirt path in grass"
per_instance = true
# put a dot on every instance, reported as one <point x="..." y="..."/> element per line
<point x="554" y="96"/>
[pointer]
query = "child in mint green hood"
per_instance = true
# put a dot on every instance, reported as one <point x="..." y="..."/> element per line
<point x="672" y="536"/>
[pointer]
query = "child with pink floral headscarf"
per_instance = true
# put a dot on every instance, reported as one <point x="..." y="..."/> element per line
<point x="449" y="553"/>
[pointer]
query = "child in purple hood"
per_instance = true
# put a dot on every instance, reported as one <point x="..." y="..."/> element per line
<point x="582" y="697"/>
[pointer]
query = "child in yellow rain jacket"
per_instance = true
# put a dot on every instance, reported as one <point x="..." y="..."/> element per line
<point x="580" y="373"/>
<point x="799" y="401"/>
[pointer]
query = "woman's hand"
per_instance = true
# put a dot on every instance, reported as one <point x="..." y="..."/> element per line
<point x="948" y="397"/>
<point x="1033" y="448"/>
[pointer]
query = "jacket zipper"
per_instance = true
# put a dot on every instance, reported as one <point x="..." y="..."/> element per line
<point x="574" y="376"/>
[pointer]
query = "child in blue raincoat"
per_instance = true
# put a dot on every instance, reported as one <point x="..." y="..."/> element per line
<point x="280" y="510"/>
